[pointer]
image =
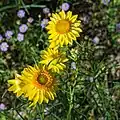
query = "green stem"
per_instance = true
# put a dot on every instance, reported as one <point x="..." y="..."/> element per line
<point x="24" y="6"/>
<point x="20" y="115"/>
<point x="70" y="104"/>
<point x="15" y="6"/>
<point x="42" y="107"/>
<point x="69" y="113"/>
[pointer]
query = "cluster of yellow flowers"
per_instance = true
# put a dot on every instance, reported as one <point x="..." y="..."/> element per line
<point x="38" y="83"/>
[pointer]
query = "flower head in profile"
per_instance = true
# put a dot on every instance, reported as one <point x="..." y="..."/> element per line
<point x="53" y="59"/>
<point x="15" y="85"/>
<point x="63" y="28"/>
<point x="35" y="83"/>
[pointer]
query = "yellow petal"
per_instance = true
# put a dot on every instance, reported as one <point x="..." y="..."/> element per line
<point x="58" y="17"/>
<point x="77" y="29"/>
<point x="62" y="14"/>
<point x="52" y="45"/>
<point x="69" y="15"/>
<point x="46" y="99"/>
<point x="65" y="60"/>
<point x="36" y="97"/>
<point x="54" y="16"/>
<point x="73" y="18"/>
<point x="41" y="96"/>
<point x="52" y="19"/>
<point x="75" y="32"/>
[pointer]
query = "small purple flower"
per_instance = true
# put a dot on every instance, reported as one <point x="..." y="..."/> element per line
<point x="96" y="40"/>
<point x="1" y="37"/>
<point x="4" y="46"/>
<point x="105" y="2"/>
<point x="44" y="22"/>
<point x="23" y="28"/>
<point x="118" y="27"/>
<point x="46" y="10"/>
<point x="65" y="6"/>
<point x="20" y="37"/>
<point x="8" y="34"/>
<point x="30" y="19"/>
<point x="2" y="106"/>
<point x="21" y="13"/>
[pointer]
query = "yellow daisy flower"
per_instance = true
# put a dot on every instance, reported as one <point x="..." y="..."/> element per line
<point x="37" y="85"/>
<point x="63" y="28"/>
<point x="53" y="59"/>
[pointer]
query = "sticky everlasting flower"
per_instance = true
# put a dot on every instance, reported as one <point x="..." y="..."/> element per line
<point x="65" y="6"/>
<point x="21" y="13"/>
<point x="53" y="59"/>
<point x="36" y="84"/>
<point x="44" y="22"/>
<point x="4" y="46"/>
<point x="63" y="28"/>
<point x="23" y="28"/>
<point x="20" y="37"/>
<point x="8" y="34"/>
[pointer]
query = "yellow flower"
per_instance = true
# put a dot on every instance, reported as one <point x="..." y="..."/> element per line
<point x="63" y="28"/>
<point x="53" y="59"/>
<point x="37" y="85"/>
<point x="15" y="85"/>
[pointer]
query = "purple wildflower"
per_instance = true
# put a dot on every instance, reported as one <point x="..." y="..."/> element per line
<point x="105" y="2"/>
<point x="30" y="19"/>
<point x="1" y="37"/>
<point x="20" y="37"/>
<point x="21" y="13"/>
<point x="8" y="34"/>
<point x="96" y="40"/>
<point x="44" y="22"/>
<point x="46" y="10"/>
<point x="65" y="6"/>
<point x="2" y="106"/>
<point x="4" y="46"/>
<point x="118" y="27"/>
<point x="23" y="28"/>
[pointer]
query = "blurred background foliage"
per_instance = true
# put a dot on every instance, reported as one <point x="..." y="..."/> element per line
<point x="89" y="86"/>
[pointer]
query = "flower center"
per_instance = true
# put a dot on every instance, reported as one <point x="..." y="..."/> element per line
<point x="62" y="26"/>
<point x="45" y="79"/>
<point x="42" y="79"/>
